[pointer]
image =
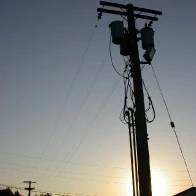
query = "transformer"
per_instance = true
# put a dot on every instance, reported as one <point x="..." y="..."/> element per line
<point x="124" y="47"/>
<point x="117" y="32"/>
<point x="147" y="37"/>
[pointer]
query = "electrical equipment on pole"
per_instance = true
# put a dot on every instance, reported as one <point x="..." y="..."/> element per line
<point x="124" y="46"/>
<point x="117" y="32"/>
<point x="147" y="38"/>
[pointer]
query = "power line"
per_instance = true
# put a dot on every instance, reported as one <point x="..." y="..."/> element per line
<point x="112" y="58"/>
<point x="84" y="164"/>
<point x="68" y="95"/>
<point x="173" y="127"/>
<point x="91" y="122"/>
<point x="79" y="163"/>
<point x="150" y="105"/>
<point x="71" y="88"/>
<point x="82" y="105"/>
<point x="76" y="163"/>
<point x="44" y="191"/>
<point x="98" y="178"/>
<point x="84" y="100"/>
<point x="163" y="98"/>
<point x="55" y="170"/>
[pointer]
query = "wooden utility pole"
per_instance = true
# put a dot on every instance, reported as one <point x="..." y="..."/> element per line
<point x="29" y="189"/>
<point x="140" y="118"/>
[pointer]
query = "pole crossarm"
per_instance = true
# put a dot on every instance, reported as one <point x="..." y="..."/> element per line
<point x="102" y="10"/>
<point x="29" y="182"/>
<point x="111" y="11"/>
<point x="140" y="9"/>
<point x="106" y="3"/>
<point x="121" y="6"/>
<point x="29" y="189"/>
<point x="145" y="17"/>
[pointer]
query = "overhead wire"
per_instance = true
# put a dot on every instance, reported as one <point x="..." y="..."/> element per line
<point x="69" y="92"/>
<point x="65" y="137"/>
<point x="75" y="163"/>
<point x="86" y="130"/>
<point x="43" y="191"/>
<point x="109" y="94"/>
<point x="128" y="119"/>
<point x="128" y="91"/>
<point x="110" y="50"/>
<point x="76" y="146"/>
<point x="87" y="95"/>
<point x="150" y="105"/>
<point x="70" y="89"/>
<point x="173" y="127"/>
<point x="83" y="136"/>
<point x="94" y="165"/>
<point x="89" y="91"/>
<point x="98" y="176"/>
<point x="90" y="165"/>
<point x="122" y="15"/>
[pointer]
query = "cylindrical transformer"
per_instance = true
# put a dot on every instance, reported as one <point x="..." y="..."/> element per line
<point x="147" y="37"/>
<point x="117" y="31"/>
<point x="124" y="47"/>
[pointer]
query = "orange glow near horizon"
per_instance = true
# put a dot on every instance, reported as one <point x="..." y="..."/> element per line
<point x="158" y="185"/>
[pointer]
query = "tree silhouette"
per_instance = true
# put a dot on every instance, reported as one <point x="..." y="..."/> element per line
<point x="8" y="192"/>
<point x="17" y="193"/>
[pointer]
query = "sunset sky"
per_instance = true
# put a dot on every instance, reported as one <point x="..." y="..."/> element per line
<point x="60" y="100"/>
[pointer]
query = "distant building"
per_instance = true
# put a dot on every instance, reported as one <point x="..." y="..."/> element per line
<point x="189" y="192"/>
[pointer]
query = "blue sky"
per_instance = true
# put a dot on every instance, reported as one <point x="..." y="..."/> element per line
<point x="60" y="106"/>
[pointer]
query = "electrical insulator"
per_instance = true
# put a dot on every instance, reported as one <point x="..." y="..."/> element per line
<point x="147" y="37"/>
<point x="124" y="47"/>
<point x="117" y="31"/>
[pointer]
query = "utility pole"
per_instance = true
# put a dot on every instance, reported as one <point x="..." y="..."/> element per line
<point x="143" y="167"/>
<point x="29" y="189"/>
<point x="140" y="119"/>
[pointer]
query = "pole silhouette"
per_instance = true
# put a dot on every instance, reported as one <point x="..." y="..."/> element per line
<point x="29" y="189"/>
<point x="143" y="158"/>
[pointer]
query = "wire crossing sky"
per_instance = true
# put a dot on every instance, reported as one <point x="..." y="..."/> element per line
<point x="61" y="99"/>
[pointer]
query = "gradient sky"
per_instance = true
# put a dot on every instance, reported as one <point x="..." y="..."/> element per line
<point x="59" y="108"/>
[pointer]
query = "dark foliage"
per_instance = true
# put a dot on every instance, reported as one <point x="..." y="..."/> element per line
<point x="8" y="192"/>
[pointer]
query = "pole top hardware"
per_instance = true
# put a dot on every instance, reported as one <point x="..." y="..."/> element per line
<point x="122" y="6"/>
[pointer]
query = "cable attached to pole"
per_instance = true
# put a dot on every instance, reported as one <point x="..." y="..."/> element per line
<point x="150" y="105"/>
<point x="131" y="153"/>
<point x="173" y="127"/>
<point x="135" y="150"/>
<point x="112" y="59"/>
